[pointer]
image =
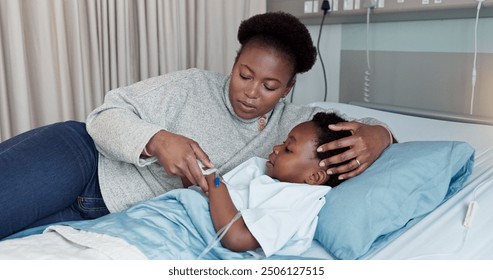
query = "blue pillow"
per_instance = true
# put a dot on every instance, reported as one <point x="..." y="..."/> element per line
<point x="409" y="180"/>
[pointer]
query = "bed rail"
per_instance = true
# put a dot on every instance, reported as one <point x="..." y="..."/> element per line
<point x="426" y="113"/>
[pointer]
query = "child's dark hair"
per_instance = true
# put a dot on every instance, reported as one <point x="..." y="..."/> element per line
<point x="325" y="135"/>
<point x="283" y="32"/>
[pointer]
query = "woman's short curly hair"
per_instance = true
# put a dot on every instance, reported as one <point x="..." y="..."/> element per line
<point x="285" y="33"/>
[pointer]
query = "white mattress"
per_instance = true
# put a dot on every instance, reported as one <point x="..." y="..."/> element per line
<point x="440" y="235"/>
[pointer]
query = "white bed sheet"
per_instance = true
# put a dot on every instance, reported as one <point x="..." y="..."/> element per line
<point x="440" y="235"/>
<point x="66" y="243"/>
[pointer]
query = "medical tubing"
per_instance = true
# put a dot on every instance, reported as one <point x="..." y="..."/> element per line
<point x="219" y="235"/>
<point x="366" y="87"/>
<point x="473" y="78"/>
<point x="221" y="232"/>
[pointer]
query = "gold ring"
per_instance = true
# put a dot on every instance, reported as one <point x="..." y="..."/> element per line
<point x="357" y="161"/>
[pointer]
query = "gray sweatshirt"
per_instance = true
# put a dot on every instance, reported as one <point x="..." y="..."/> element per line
<point x="193" y="103"/>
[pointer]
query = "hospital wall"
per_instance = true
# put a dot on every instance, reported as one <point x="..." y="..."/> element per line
<point x="423" y="64"/>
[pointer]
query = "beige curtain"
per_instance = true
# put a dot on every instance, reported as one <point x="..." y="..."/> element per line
<point x="58" y="58"/>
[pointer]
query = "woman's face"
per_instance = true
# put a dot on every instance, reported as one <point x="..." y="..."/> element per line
<point x="260" y="78"/>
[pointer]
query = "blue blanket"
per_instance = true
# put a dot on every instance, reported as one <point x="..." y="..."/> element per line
<point x="176" y="225"/>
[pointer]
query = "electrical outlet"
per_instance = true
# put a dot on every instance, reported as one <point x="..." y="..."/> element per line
<point x="334" y="5"/>
<point x="348" y="5"/>
<point x="308" y="8"/>
<point x="315" y="6"/>
<point x="357" y="4"/>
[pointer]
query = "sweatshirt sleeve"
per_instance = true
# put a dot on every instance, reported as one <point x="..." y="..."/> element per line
<point x="130" y="116"/>
<point x="119" y="130"/>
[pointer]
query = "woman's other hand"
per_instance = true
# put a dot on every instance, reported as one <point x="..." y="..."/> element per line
<point x="178" y="155"/>
<point x="366" y="144"/>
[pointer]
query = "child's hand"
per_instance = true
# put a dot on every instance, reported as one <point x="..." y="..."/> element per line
<point x="211" y="178"/>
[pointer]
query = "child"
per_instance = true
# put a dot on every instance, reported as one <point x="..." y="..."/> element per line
<point x="278" y="217"/>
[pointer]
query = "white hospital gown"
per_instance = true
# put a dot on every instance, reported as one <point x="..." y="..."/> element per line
<point x="281" y="216"/>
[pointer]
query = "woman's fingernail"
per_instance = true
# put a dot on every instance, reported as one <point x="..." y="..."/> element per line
<point x="319" y="149"/>
<point x="322" y="164"/>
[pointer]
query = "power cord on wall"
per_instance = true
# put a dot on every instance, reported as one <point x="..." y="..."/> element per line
<point x="473" y="78"/>
<point x="325" y="7"/>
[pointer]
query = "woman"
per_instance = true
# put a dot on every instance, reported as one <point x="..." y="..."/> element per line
<point x="147" y="135"/>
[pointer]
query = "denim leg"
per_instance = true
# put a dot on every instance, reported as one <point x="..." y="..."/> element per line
<point x="48" y="175"/>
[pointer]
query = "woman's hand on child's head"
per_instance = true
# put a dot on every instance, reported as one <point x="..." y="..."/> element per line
<point x="178" y="155"/>
<point x="366" y="144"/>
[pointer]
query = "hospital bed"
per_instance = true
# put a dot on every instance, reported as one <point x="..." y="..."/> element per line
<point x="436" y="234"/>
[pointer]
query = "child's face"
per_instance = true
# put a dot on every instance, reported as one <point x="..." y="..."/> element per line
<point x="295" y="159"/>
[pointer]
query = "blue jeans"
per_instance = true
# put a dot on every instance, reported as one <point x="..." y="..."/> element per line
<point x="49" y="175"/>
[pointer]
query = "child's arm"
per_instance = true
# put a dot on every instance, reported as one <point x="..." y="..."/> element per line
<point x="238" y="238"/>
